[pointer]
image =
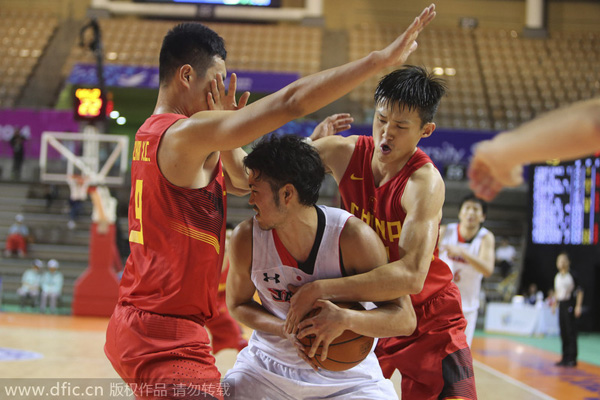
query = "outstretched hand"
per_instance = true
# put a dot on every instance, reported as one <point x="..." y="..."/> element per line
<point x="398" y="51"/>
<point x="331" y="125"/>
<point x="488" y="175"/>
<point x="218" y="99"/>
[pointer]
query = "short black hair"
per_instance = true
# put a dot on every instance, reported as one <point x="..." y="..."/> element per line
<point x="189" y="43"/>
<point x="566" y="254"/>
<point x="411" y="87"/>
<point x="471" y="197"/>
<point x="283" y="159"/>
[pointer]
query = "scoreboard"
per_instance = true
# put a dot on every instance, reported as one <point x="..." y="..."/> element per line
<point x="565" y="202"/>
<point x="258" y="3"/>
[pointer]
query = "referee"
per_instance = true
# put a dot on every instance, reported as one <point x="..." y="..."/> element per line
<point x="569" y="296"/>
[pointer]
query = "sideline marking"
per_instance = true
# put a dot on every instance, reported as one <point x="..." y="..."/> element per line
<point x="512" y="380"/>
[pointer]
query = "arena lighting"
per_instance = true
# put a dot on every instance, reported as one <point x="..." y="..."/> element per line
<point x="259" y="3"/>
<point x="115" y="114"/>
<point x="311" y="9"/>
<point x="121" y="120"/>
<point x="438" y="71"/>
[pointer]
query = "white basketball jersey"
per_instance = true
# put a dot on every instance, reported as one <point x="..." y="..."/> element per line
<point x="466" y="277"/>
<point x="271" y="276"/>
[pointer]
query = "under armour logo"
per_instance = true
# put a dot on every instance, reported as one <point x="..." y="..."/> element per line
<point x="268" y="278"/>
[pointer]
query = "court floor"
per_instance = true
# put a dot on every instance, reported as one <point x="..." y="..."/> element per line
<point x="64" y="353"/>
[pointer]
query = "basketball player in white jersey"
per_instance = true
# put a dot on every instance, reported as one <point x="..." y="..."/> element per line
<point x="291" y="241"/>
<point x="468" y="249"/>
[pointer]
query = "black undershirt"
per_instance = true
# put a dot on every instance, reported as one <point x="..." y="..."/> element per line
<point x="308" y="266"/>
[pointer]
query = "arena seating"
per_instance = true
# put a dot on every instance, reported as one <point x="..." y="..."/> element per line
<point x="51" y="238"/>
<point x="496" y="78"/>
<point x="24" y="37"/>
<point x="286" y="48"/>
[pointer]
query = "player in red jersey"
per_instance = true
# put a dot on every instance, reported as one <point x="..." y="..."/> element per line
<point x="394" y="187"/>
<point x="186" y="158"/>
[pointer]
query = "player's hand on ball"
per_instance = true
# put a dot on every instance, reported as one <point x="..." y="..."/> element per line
<point x="326" y="325"/>
<point x="301" y="303"/>
<point x="218" y="99"/>
<point x="299" y="349"/>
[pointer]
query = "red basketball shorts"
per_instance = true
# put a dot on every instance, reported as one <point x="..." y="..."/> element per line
<point x="161" y="356"/>
<point x="435" y="361"/>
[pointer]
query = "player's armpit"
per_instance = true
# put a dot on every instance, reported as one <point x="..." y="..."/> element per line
<point x="236" y="176"/>
<point x="336" y="152"/>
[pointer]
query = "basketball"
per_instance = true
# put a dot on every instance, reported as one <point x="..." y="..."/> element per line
<point x="345" y="351"/>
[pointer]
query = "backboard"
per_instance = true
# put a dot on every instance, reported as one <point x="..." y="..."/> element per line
<point x="102" y="159"/>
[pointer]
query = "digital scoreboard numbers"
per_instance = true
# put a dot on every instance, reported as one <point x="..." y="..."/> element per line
<point x="566" y="202"/>
<point x="88" y="103"/>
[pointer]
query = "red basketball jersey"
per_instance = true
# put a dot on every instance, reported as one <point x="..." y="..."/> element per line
<point x="381" y="208"/>
<point x="176" y="235"/>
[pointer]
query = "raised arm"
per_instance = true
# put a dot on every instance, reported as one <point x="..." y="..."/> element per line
<point x="226" y="130"/>
<point x="566" y="133"/>
<point x="336" y="153"/>
<point x="236" y="177"/>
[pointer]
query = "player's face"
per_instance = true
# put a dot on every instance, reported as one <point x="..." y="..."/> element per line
<point x="471" y="214"/>
<point x="396" y="132"/>
<point x="562" y="263"/>
<point x="268" y="213"/>
<point x="202" y="87"/>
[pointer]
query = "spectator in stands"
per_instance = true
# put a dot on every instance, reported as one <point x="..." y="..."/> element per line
<point x="566" y="133"/>
<point x="468" y="249"/>
<point x="78" y="186"/>
<point x="50" y="194"/>
<point x="569" y="296"/>
<point x="550" y="299"/>
<point x="30" y="284"/>
<point x="18" y="238"/>
<point x="505" y="257"/>
<point x="17" y="143"/>
<point x="52" y="284"/>
<point x="533" y="295"/>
